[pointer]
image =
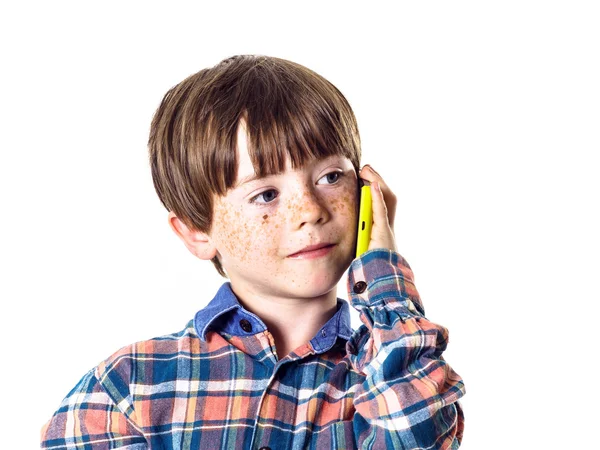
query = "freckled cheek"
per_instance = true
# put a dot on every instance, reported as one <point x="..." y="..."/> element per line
<point x="345" y="206"/>
<point x="269" y="235"/>
<point x="294" y="209"/>
<point x="231" y="230"/>
<point x="246" y="238"/>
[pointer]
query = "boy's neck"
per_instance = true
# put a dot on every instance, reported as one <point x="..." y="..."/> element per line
<point x="292" y="321"/>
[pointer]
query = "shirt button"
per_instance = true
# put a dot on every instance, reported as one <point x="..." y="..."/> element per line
<point x="360" y="287"/>
<point x="246" y="326"/>
<point x="265" y="448"/>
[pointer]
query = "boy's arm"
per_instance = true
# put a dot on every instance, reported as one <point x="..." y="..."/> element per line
<point x="409" y="396"/>
<point x="89" y="418"/>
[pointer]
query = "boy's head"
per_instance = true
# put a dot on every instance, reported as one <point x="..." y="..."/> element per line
<point x="289" y="114"/>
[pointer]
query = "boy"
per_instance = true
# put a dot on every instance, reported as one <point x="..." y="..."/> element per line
<point x="257" y="162"/>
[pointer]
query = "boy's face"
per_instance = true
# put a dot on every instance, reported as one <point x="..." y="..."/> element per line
<point x="261" y="227"/>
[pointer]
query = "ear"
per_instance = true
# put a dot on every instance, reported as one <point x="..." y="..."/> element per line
<point x="198" y="243"/>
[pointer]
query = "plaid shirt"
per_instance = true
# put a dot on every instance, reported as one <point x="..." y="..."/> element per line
<point x="219" y="385"/>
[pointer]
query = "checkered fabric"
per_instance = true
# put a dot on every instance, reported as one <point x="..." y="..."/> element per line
<point x="218" y="384"/>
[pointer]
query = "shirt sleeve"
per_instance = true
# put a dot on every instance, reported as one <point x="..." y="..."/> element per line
<point x="409" y="397"/>
<point x="89" y="419"/>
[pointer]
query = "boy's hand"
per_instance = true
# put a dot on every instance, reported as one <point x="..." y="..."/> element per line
<point x="384" y="210"/>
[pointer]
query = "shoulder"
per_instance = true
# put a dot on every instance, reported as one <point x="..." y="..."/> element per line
<point x="125" y="361"/>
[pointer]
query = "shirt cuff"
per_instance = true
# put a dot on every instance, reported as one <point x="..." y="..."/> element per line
<point x="383" y="277"/>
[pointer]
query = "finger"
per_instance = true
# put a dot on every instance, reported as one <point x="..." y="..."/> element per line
<point x="369" y="174"/>
<point x="380" y="212"/>
<point x="382" y="235"/>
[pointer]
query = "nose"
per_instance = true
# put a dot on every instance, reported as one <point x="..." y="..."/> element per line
<point x="310" y="208"/>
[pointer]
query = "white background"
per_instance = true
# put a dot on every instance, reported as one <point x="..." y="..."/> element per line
<point x="484" y="119"/>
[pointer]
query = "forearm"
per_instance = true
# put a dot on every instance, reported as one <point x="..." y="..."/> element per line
<point x="410" y="393"/>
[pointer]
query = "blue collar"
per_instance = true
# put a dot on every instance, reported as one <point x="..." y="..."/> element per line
<point x="224" y="313"/>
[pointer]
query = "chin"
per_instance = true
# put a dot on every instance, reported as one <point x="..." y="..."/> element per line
<point x="318" y="284"/>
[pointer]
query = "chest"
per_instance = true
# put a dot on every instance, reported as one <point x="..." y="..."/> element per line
<point x="237" y="401"/>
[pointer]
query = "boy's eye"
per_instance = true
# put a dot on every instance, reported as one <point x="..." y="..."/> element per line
<point x="267" y="196"/>
<point x="330" y="178"/>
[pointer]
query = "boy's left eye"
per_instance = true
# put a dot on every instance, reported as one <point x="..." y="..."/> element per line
<point x="330" y="178"/>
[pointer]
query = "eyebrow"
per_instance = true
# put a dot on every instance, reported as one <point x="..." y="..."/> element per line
<point x="255" y="177"/>
<point x="248" y="179"/>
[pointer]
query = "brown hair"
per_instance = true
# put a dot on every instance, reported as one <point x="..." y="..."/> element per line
<point x="289" y="110"/>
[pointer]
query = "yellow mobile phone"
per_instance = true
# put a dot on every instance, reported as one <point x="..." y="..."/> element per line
<point x="365" y="219"/>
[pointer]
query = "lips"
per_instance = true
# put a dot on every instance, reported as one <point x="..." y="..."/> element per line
<point x="313" y="250"/>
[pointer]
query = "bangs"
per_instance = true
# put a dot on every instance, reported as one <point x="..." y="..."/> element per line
<point x="290" y="113"/>
<point x="289" y="120"/>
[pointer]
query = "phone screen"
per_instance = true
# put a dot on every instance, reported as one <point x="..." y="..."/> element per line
<point x="365" y="218"/>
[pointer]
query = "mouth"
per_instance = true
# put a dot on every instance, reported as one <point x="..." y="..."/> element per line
<point x="313" y="251"/>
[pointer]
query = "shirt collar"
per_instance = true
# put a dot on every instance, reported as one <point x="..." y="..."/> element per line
<point x="224" y="313"/>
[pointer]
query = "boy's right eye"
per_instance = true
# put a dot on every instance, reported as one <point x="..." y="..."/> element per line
<point x="267" y="197"/>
